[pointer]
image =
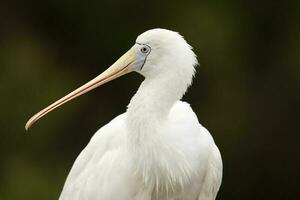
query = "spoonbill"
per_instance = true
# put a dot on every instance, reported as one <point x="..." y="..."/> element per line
<point x="157" y="149"/>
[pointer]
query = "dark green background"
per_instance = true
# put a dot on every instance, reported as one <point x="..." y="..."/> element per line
<point x="246" y="91"/>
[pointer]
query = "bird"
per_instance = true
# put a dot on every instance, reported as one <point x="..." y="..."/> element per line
<point x="157" y="149"/>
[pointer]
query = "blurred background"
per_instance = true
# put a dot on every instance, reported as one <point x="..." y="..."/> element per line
<point x="246" y="91"/>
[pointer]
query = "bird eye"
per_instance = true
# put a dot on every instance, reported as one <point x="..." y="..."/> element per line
<point x="145" y="49"/>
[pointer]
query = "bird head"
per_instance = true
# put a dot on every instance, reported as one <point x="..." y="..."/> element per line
<point x="168" y="53"/>
<point x="156" y="53"/>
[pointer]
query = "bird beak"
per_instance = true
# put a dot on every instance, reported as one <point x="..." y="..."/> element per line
<point x="120" y="67"/>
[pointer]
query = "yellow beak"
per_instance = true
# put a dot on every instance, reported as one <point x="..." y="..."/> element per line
<point x="119" y="68"/>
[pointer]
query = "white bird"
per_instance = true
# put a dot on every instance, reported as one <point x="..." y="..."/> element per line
<point x="157" y="149"/>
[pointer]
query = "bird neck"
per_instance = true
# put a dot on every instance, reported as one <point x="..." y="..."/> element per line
<point x="149" y="108"/>
<point x="147" y="128"/>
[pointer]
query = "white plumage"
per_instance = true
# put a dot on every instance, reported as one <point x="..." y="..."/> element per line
<point x="157" y="149"/>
